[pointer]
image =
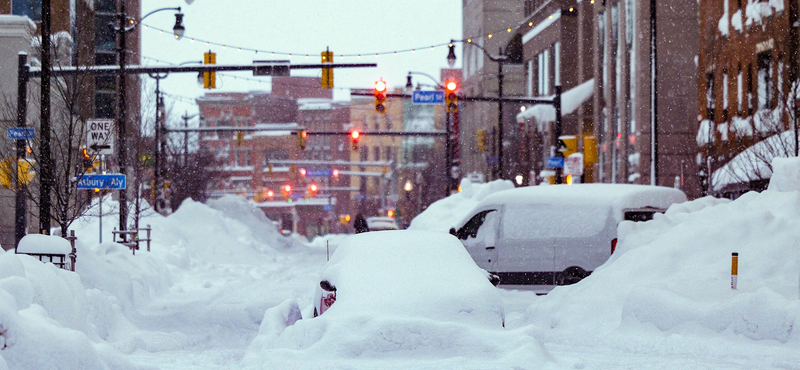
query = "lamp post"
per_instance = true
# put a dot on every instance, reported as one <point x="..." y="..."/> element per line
<point x="448" y="161"/>
<point x="125" y="25"/>
<point x="500" y="59"/>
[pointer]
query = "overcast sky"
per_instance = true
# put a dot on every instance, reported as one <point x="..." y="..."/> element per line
<point x="301" y="27"/>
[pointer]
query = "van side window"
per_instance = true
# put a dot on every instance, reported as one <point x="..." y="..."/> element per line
<point x="641" y="214"/>
<point x="470" y="228"/>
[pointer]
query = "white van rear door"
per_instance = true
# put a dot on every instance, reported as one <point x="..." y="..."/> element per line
<point x="526" y="244"/>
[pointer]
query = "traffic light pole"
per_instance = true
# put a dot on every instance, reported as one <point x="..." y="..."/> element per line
<point x="20" y="201"/>
<point x="448" y="160"/>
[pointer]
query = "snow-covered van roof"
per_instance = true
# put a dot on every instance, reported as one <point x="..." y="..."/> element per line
<point x="616" y="196"/>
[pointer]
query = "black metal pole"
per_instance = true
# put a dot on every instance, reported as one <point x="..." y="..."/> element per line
<point x="163" y="150"/>
<point x="185" y="140"/>
<point x="46" y="160"/>
<point x="157" y="141"/>
<point x="654" y="97"/>
<point x="122" y="147"/>
<point x="500" y="114"/>
<point x="22" y="111"/>
<point x="558" y="130"/>
<point x="448" y="145"/>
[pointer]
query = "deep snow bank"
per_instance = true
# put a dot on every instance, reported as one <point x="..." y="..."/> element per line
<point x="445" y="213"/>
<point x="674" y="272"/>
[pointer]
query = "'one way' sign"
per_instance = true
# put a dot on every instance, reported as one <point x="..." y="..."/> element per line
<point x="99" y="136"/>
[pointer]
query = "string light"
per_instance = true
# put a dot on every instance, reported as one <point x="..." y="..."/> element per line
<point x="509" y="30"/>
<point x="490" y="35"/>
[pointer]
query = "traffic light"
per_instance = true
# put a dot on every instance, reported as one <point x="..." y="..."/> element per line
<point x="286" y="191"/>
<point x="270" y="194"/>
<point x="327" y="73"/>
<point x="210" y="78"/>
<point x="86" y="161"/>
<point x="312" y="190"/>
<point x="589" y="149"/>
<point x="451" y="97"/>
<point x="354" y="139"/>
<point x="25" y="171"/>
<point x="302" y="172"/>
<point x="390" y="213"/>
<point x="567" y="144"/>
<point x="380" y="96"/>
<point x="301" y="139"/>
<point x="336" y="173"/>
<point x="480" y="140"/>
<point x="239" y="138"/>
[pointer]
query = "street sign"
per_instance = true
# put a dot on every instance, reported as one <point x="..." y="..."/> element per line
<point x="427" y="97"/>
<point x="573" y="164"/>
<point x="319" y="173"/>
<point x="492" y="160"/>
<point x="21" y="133"/>
<point x="96" y="181"/>
<point x="555" y="162"/>
<point x="99" y="136"/>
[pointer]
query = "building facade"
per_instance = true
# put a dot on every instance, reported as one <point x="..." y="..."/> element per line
<point x="487" y="29"/>
<point x="746" y="65"/>
<point x="267" y="157"/>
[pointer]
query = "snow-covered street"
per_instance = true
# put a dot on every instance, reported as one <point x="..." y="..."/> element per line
<point x="217" y="287"/>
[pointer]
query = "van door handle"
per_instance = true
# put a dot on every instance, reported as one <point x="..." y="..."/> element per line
<point x="489" y="248"/>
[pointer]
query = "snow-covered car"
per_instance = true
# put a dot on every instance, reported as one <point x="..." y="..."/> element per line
<point x="418" y="274"/>
<point x="382" y="223"/>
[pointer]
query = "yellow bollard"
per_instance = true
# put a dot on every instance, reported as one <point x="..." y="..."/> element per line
<point x="734" y="269"/>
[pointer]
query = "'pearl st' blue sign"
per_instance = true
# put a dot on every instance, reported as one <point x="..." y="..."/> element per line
<point x="20" y="133"/>
<point x="93" y="181"/>
<point x="427" y="97"/>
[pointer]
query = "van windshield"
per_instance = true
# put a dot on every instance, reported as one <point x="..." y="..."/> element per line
<point x="553" y="221"/>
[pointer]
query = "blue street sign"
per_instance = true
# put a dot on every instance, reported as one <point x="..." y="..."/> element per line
<point x="360" y="196"/>
<point x="327" y="207"/>
<point x="21" y="133"/>
<point x="319" y="173"/>
<point x="427" y="97"/>
<point x="555" y="162"/>
<point x="110" y="181"/>
<point x="492" y="160"/>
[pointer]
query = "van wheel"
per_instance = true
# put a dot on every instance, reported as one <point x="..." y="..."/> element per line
<point x="571" y="276"/>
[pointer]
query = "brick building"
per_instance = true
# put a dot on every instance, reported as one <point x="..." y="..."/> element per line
<point x="746" y="65"/>
<point x="269" y="158"/>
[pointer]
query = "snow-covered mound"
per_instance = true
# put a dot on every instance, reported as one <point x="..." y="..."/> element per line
<point x="445" y="213"/>
<point x="674" y="273"/>
<point x="402" y="298"/>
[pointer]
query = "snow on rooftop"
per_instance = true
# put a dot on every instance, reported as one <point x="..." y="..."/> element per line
<point x="570" y="101"/>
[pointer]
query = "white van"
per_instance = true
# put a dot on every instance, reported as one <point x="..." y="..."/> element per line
<point x="555" y="234"/>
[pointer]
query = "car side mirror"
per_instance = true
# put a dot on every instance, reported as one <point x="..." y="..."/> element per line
<point x="327" y="286"/>
<point x="494" y="279"/>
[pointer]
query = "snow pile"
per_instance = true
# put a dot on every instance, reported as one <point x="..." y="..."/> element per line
<point x="44" y="322"/>
<point x="403" y="298"/>
<point x="754" y="162"/>
<point x="786" y="176"/>
<point x="266" y="231"/>
<point x="445" y="213"/>
<point x="673" y="274"/>
<point x="44" y="244"/>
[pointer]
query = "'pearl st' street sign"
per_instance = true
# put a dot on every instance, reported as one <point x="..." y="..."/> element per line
<point x="96" y="181"/>
<point x="427" y="97"/>
<point x="20" y="133"/>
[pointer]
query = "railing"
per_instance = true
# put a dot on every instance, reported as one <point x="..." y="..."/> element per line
<point x="130" y="238"/>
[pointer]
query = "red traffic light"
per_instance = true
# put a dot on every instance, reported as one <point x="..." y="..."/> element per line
<point x="380" y="86"/>
<point x="354" y="135"/>
<point x="313" y="187"/>
<point x="304" y="134"/>
<point x="451" y="86"/>
<point x="287" y="188"/>
<point x="335" y="173"/>
<point x="302" y="172"/>
<point x="270" y="193"/>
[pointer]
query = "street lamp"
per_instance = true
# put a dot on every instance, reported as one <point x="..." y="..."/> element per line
<point x="500" y="59"/>
<point x="125" y="25"/>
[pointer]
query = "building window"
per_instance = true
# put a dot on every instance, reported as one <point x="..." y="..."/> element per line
<point x="529" y="78"/>
<point x="30" y="8"/>
<point x="725" y="102"/>
<point x="376" y="153"/>
<point x="557" y="63"/>
<point x="710" y="106"/>
<point x="739" y="91"/>
<point x="389" y="154"/>
<point x="543" y="73"/>
<point x="764" y="82"/>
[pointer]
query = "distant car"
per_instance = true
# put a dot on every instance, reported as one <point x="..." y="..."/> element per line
<point x="419" y="274"/>
<point x="557" y="234"/>
<point x="382" y="223"/>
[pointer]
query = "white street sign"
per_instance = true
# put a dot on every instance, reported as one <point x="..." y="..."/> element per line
<point x="573" y="164"/>
<point x="100" y="136"/>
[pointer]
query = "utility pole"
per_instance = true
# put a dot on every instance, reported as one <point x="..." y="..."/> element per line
<point x="45" y="155"/>
<point x="122" y="142"/>
<point x="22" y="111"/>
